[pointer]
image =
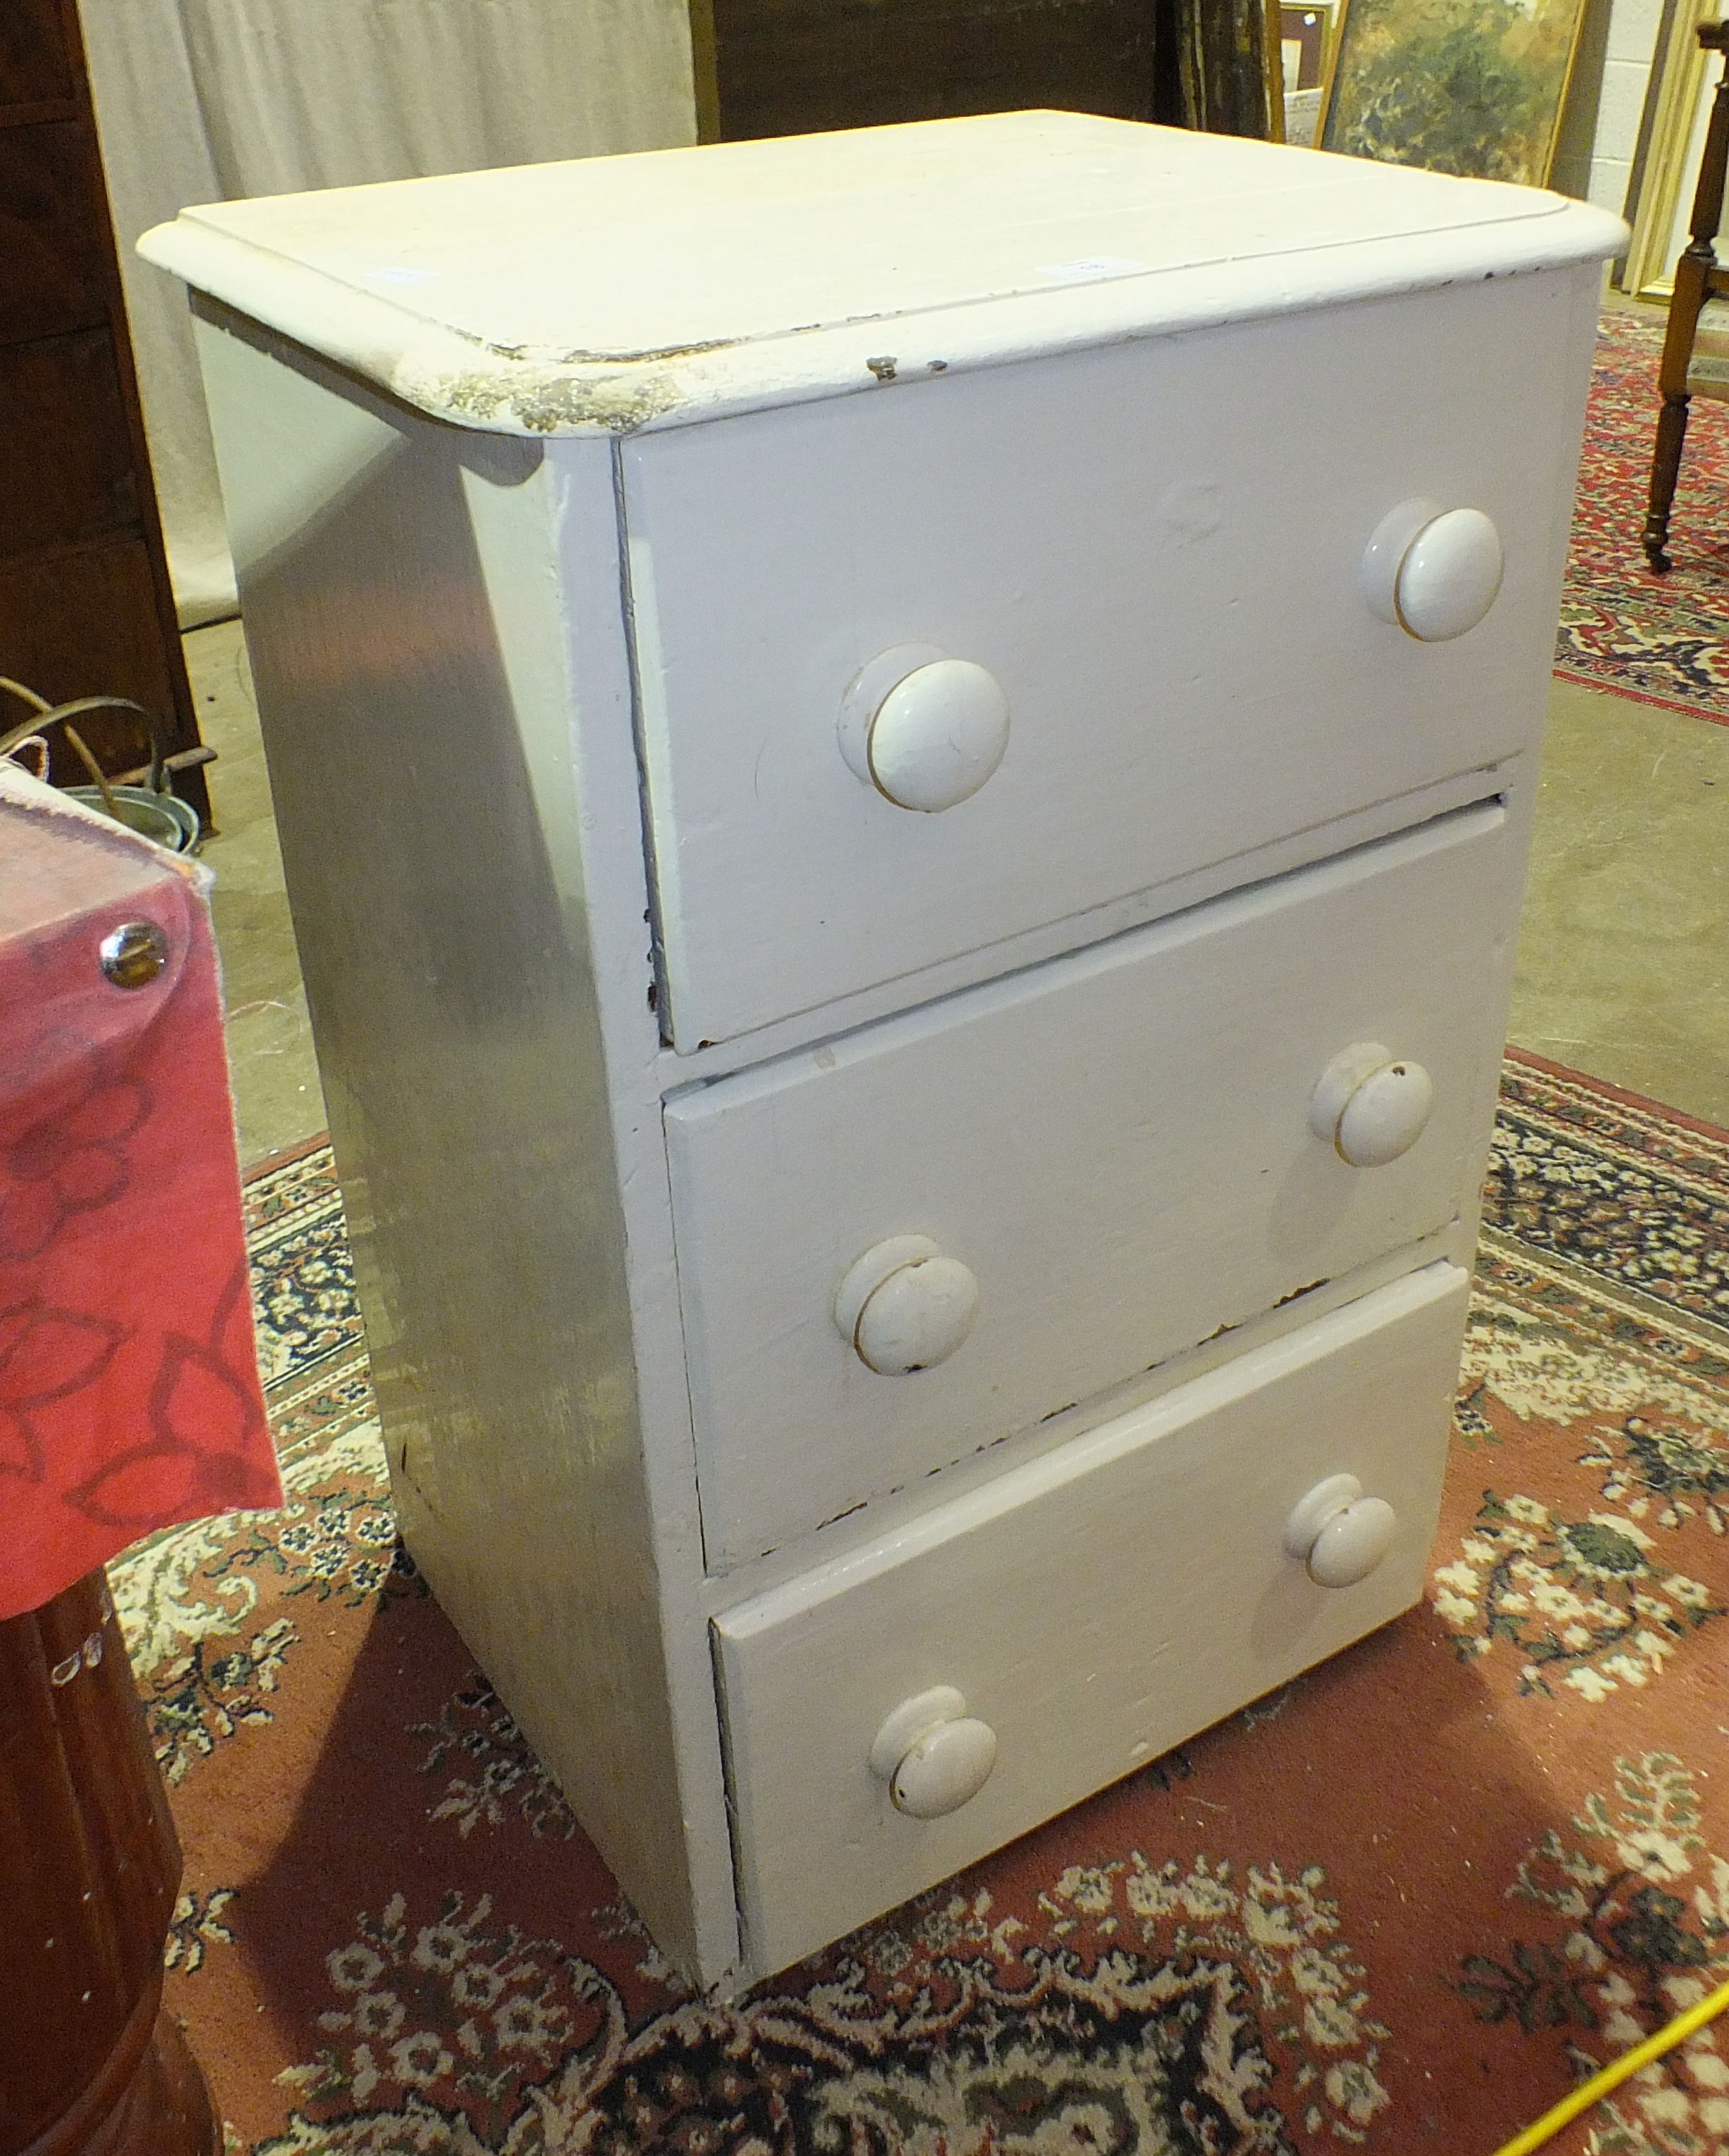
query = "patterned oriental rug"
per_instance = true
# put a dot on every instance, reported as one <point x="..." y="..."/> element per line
<point x="1664" y="639"/>
<point x="1400" y="1906"/>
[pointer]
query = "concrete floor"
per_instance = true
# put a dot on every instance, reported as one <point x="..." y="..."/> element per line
<point x="1624" y="947"/>
<point x="1622" y="971"/>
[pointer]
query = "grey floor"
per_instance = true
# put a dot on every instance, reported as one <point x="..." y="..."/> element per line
<point x="1622" y="957"/>
<point x="1624" y="948"/>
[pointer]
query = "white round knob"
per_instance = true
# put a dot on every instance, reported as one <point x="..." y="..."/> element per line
<point x="934" y="1756"/>
<point x="904" y="1306"/>
<point x="1340" y="1535"/>
<point x="1434" y="573"/>
<point x="925" y="730"/>
<point x="1371" y="1106"/>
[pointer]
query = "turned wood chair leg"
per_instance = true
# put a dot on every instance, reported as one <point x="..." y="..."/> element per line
<point x="90" y="2063"/>
<point x="1665" y="470"/>
<point x="1697" y="280"/>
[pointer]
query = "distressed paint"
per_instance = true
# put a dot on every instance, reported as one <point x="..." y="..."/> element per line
<point x="744" y="274"/>
<point x="578" y="862"/>
<point x="1093" y="1608"/>
<point x="1116" y="1144"/>
<point x="1174" y="612"/>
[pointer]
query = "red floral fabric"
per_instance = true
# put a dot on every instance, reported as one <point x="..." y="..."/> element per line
<point x="128" y="1390"/>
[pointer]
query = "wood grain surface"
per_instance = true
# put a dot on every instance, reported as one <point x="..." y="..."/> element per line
<point x="35" y="64"/>
<point x="86" y="604"/>
<point x="785" y="67"/>
<point x="90" y="1868"/>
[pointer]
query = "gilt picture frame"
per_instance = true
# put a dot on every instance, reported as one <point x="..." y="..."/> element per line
<point x="1472" y="87"/>
<point x="1680" y="108"/>
<point x="1306" y="35"/>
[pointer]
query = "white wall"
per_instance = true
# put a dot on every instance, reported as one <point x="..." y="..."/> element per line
<point x="1599" y="129"/>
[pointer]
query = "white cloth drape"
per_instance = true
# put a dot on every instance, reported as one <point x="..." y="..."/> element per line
<point x="198" y="101"/>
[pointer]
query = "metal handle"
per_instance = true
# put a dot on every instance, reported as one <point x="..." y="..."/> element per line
<point x="44" y="714"/>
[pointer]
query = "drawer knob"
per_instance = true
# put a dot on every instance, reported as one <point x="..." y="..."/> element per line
<point x="904" y="1306"/>
<point x="1371" y="1106"/>
<point x="1340" y="1535"/>
<point x="925" y="730"/>
<point x="934" y="1756"/>
<point x="1434" y="573"/>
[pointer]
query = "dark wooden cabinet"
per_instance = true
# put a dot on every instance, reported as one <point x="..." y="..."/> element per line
<point x="35" y="65"/>
<point x="85" y="605"/>
<point x="789" y="67"/>
<point x="799" y="67"/>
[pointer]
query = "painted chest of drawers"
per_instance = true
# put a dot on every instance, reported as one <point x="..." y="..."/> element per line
<point x="903" y="761"/>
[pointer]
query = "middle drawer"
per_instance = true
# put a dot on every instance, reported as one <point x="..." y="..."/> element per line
<point x="1117" y="1148"/>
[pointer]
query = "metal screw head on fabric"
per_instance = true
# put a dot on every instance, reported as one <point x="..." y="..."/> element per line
<point x="133" y="954"/>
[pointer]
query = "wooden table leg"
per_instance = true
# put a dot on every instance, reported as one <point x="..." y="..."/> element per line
<point x="1665" y="470"/>
<point x="1697" y="279"/>
<point x="90" y="1870"/>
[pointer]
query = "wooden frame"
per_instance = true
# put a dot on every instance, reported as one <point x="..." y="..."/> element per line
<point x="1677" y="121"/>
<point x="1392" y="84"/>
<point x="1272" y="69"/>
<point x="1315" y="29"/>
<point x="705" y="71"/>
<point x="1314" y="25"/>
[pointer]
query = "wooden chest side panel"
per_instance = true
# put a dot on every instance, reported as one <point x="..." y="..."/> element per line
<point x="418" y="697"/>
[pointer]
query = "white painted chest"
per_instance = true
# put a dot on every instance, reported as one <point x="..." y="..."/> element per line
<point x="904" y="762"/>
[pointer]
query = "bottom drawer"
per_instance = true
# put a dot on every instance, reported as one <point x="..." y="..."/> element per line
<point x="1090" y="1610"/>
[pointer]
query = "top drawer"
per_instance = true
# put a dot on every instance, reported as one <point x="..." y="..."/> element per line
<point x="1154" y="549"/>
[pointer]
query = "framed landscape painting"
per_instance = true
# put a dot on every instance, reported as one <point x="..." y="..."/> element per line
<point x="1473" y="87"/>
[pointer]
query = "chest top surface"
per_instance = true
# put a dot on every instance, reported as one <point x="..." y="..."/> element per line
<point x="610" y="294"/>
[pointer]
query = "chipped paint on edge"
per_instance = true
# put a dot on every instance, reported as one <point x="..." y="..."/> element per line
<point x="547" y="400"/>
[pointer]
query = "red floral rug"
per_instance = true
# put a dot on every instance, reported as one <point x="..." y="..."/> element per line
<point x="1664" y="639"/>
<point x="1400" y="1906"/>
